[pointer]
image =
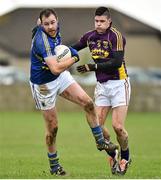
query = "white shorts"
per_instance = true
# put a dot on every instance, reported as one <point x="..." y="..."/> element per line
<point x="113" y="93"/>
<point x="45" y="94"/>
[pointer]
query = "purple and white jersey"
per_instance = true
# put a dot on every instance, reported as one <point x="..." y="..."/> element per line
<point x="102" y="47"/>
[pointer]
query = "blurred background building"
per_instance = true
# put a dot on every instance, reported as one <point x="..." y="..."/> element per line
<point x="139" y="21"/>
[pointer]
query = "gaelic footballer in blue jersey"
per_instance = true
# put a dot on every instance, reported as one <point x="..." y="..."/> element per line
<point x="50" y="78"/>
<point x="112" y="92"/>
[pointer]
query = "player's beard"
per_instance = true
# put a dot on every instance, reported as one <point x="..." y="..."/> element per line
<point x="52" y="32"/>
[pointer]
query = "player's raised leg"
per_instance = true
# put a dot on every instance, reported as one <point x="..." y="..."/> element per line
<point x="77" y="95"/>
<point x="51" y="123"/>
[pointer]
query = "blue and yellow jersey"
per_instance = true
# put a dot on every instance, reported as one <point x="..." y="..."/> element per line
<point x="42" y="46"/>
<point x="102" y="47"/>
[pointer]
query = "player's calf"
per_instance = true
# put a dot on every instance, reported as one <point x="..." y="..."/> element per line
<point x="89" y="106"/>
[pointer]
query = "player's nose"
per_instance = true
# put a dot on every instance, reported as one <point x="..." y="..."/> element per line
<point x="50" y="26"/>
<point x="98" y="23"/>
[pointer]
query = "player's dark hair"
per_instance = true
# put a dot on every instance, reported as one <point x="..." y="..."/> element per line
<point x="102" y="11"/>
<point x="47" y="13"/>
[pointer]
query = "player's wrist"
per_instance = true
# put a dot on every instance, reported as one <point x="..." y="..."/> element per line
<point x="75" y="58"/>
<point x="92" y="67"/>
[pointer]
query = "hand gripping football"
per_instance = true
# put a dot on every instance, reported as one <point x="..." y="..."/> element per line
<point x="62" y="52"/>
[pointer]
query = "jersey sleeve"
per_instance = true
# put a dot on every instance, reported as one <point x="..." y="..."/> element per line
<point x="44" y="47"/>
<point x="117" y="41"/>
<point x="83" y="40"/>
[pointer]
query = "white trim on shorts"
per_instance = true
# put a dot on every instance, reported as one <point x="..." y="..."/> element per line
<point x="45" y="95"/>
<point x="113" y="93"/>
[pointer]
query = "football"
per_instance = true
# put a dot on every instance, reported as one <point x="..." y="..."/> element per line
<point x="62" y="52"/>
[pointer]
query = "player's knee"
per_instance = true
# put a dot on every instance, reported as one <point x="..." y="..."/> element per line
<point x="89" y="106"/>
<point x="51" y="136"/>
<point x="119" y="129"/>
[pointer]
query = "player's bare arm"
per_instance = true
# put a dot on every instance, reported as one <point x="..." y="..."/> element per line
<point x="58" y="67"/>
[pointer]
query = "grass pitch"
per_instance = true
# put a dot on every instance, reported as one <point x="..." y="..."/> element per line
<point x="23" y="151"/>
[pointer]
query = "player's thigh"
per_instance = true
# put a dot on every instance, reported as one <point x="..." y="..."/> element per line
<point x="120" y="94"/>
<point x="76" y="94"/>
<point x="101" y="96"/>
<point x="119" y="115"/>
<point x="102" y="112"/>
<point x="45" y="94"/>
<point x="50" y="117"/>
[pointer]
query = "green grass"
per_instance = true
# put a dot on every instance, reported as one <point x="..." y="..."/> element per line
<point x="23" y="151"/>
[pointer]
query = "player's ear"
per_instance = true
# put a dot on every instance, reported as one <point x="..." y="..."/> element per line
<point x="38" y="22"/>
<point x="109" y="20"/>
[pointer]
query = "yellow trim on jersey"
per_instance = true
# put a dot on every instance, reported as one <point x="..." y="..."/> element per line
<point x="47" y="45"/>
<point x="44" y="67"/>
<point x="122" y="72"/>
<point x="38" y="57"/>
<point x="119" y="39"/>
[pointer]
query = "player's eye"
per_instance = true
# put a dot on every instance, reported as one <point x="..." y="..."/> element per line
<point x="102" y="21"/>
<point x="53" y="22"/>
<point x="46" y="24"/>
